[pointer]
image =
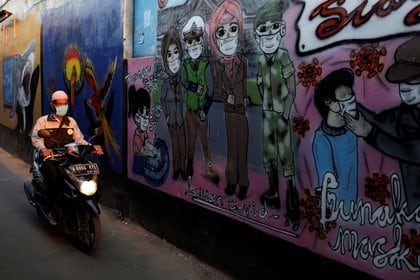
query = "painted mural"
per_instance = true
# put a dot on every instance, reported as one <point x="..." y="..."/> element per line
<point x="20" y="81"/>
<point x="87" y="64"/>
<point x="299" y="118"/>
<point x="145" y="28"/>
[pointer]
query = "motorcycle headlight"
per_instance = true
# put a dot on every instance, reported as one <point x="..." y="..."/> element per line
<point x="88" y="187"/>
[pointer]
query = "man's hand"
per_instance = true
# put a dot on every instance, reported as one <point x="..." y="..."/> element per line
<point x="259" y="80"/>
<point x="98" y="149"/>
<point x="359" y="126"/>
<point x="231" y="99"/>
<point x="200" y="90"/>
<point x="46" y="152"/>
<point x="202" y="116"/>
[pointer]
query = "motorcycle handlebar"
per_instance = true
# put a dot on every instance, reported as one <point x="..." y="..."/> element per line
<point x="73" y="150"/>
<point x="53" y="156"/>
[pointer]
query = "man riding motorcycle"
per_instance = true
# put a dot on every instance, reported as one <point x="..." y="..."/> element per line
<point x="64" y="130"/>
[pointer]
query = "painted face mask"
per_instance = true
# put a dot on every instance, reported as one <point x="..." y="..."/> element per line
<point x="348" y="106"/>
<point x="269" y="35"/>
<point x="194" y="47"/>
<point x="174" y="61"/>
<point x="227" y="38"/>
<point x="61" y="110"/>
<point x="142" y="118"/>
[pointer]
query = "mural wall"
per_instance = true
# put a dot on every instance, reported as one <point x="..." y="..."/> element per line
<point x="82" y="54"/>
<point x="20" y="73"/>
<point x="299" y="118"/>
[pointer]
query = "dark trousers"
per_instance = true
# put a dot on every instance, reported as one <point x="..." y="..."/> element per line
<point x="50" y="174"/>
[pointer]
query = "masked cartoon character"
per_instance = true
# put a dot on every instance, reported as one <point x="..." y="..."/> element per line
<point x="276" y="83"/>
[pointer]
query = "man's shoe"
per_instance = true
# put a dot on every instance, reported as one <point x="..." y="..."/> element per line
<point x="175" y="175"/>
<point x="292" y="206"/>
<point x="230" y="189"/>
<point x="270" y="199"/>
<point x="211" y="173"/>
<point x="184" y="176"/>
<point x="190" y="168"/>
<point x="242" y="192"/>
<point x="51" y="219"/>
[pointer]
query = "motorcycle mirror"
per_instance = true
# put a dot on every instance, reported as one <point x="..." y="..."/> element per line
<point x="44" y="133"/>
<point x="99" y="131"/>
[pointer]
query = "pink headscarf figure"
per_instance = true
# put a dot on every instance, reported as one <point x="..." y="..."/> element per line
<point x="226" y="28"/>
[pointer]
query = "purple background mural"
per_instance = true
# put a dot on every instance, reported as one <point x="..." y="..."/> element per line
<point x="360" y="225"/>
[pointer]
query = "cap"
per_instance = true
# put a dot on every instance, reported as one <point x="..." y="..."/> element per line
<point x="272" y="10"/>
<point x="194" y="28"/>
<point x="407" y="62"/>
<point x="59" y="94"/>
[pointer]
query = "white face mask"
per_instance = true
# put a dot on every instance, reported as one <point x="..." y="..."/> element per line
<point x="410" y="94"/>
<point x="174" y="60"/>
<point x="348" y="106"/>
<point x="61" y="110"/>
<point x="227" y="38"/>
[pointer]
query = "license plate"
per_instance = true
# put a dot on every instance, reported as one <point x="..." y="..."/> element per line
<point x="84" y="169"/>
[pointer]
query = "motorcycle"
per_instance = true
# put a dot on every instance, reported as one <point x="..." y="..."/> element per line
<point x="76" y="206"/>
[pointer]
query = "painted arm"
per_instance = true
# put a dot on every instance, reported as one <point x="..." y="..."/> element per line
<point x="208" y="99"/>
<point x="288" y="72"/>
<point x="400" y="149"/>
<point x="323" y="159"/>
<point x="163" y="103"/>
<point x="259" y="81"/>
<point x="404" y="149"/>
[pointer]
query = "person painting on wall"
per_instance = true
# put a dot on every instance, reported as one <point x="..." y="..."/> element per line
<point x="171" y="100"/>
<point x="197" y="79"/>
<point x="226" y="29"/>
<point x="396" y="131"/>
<point x="334" y="147"/>
<point x="276" y="83"/>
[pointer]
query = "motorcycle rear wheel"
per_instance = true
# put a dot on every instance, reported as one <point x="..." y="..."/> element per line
<point x="88" y="237"/>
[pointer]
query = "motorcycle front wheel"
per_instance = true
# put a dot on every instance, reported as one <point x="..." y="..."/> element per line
<point x="88" y="237"/>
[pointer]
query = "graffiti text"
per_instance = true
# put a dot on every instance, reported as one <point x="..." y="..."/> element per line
<point x="335" y="21"/>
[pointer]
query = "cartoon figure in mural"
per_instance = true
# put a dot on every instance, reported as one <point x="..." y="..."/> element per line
<point x="198" y="81"/>
<point x="226" y="29"/>
<point x="150" y="160"/>
<point x="396" y="131"/>
<point x="25" y="77"/>
<point x="172" y="100"/>
<point x="334" y="146"/>
<point x="276" y="83"/>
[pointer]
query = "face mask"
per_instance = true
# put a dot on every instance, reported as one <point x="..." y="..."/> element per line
<point x="348" y="106"/>
<point x="61" y="110"/>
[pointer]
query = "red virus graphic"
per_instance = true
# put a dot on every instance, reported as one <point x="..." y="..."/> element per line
<point x="367" y="59"/>
<point x="413" y="244"/>
<point x="309" y="73"/>
<point x="376" y="188"/>
<point x="312" y="213"/>
<point x="301" y="125"/>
